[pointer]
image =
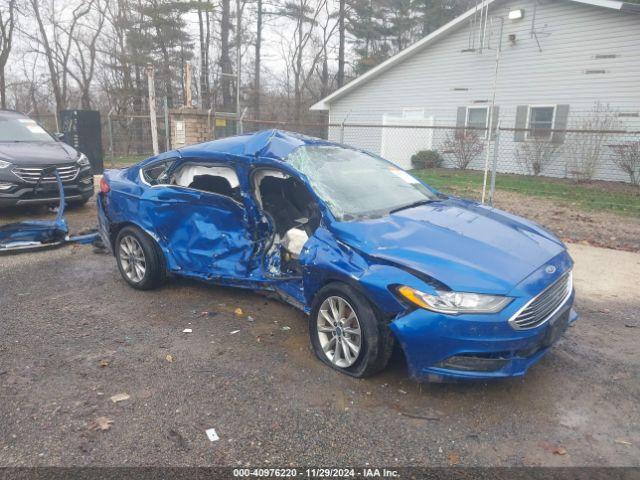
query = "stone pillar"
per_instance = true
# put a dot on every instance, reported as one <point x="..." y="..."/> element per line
<point x="189" y="126"/>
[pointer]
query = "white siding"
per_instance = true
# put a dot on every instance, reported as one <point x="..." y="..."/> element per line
<point x="570" y="36"/>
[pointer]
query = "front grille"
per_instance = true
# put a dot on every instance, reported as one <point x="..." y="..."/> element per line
<point x="542" y="307"/>
<point x="32" y="174"/>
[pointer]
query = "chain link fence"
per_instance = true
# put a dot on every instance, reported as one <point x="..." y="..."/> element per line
<point x="597" y="150"/>
<point x="466" y="154"/>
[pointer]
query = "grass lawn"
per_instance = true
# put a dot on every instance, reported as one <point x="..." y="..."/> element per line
<point x="120" y="161"/>
<point x="611" y="196"/>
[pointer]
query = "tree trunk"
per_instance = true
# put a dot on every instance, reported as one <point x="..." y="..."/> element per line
<point x="225" y="58"/>
<point x="341" y="31"/>
<point x="204" y="68"/>
<point x="297" y="88"/>
<point x="256" y="75"/>
<point x="53" y="72"/>
<point x="3" y="91"/>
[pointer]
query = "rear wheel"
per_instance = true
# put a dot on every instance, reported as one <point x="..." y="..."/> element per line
<point x="138" y="259"/>
<point x="347" y="334"/>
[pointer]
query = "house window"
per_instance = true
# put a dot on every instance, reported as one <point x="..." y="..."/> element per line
<point x="477" y="117"/>
<point x="541" y="121"/>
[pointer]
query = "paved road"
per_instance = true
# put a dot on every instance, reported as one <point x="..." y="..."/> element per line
<point x="74" y="335"/>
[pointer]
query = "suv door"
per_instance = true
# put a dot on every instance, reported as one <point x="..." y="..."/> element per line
<point x="201" y="221"/>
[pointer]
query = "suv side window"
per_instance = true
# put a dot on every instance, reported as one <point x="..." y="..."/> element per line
<point x="215" y="179"/>
<point x="157" y="173"/>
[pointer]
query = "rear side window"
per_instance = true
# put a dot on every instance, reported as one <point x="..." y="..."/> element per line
<point x="157" y="173"/>
<point x="209" y="178"/>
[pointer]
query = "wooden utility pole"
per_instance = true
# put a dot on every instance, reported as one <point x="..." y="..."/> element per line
<point x="152" y="108"/>
<point x="187" y="85"/>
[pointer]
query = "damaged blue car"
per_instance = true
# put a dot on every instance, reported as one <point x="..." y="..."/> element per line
<point x="371" y="254"/>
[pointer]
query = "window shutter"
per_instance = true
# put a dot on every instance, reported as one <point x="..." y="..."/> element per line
<point x="495" y="118"/>
<point x="561" y="122"/>
<point x="521" y="123"/>
<point x="461" y="119"/>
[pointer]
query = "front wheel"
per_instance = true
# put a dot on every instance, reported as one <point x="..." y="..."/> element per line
<point x="138" y="259"/>
<point x="346" y="333"/>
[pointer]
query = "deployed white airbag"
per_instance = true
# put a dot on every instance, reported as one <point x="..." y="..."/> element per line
<point x="294" y="241"/>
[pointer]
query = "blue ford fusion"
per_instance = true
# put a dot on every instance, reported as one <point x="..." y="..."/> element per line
<point x="372" y="255"/>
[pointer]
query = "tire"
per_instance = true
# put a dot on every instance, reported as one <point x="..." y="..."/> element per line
<point x="376" y="339"/>
<point x="133" y="246"/>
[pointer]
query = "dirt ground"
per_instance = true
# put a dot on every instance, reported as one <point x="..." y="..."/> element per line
<point x="599" y="228"/>
<point x="74" y="335"/>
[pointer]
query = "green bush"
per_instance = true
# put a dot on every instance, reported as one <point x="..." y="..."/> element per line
<point x="426" y="159"/>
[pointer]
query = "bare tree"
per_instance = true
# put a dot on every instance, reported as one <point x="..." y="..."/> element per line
<point x="584" y="149"/>
<point x="7" y="25"/>
<point x="627" y="157"/>
<point x="463" y="146"/>
<point x="305" y="14"/>
<point x="226" y="66"/>
<point x="57" y="43"/>
<point x="535" y="154"/>
<point x="258" y="60"/>
<point x="204" y="9"/>
<point x="86" y="51"/>
<point x="341" y="42"/>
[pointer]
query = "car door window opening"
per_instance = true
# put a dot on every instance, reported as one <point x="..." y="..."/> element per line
<point x="208" y="178"/>
<point x="293" y="217"/>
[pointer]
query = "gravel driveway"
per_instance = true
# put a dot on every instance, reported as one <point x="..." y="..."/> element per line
<point x="74" y="335"/>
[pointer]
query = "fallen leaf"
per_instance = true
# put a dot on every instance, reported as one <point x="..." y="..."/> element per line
<point x="101" y="423"/>
<point x="103" y="363"/>
<point x="620" y="441"/>
<point x="120" y="397"/>
<point x="454" y="458"/>
<point x="238" y="312"/>
<point x="169" y="358"/>
<point x="559" y="450"/>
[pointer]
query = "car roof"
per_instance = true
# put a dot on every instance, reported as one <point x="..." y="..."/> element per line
<point x="272" y="144"/>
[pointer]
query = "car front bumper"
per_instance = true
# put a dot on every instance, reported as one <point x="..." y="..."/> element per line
<point x="24" y="194"/>
<point x="441" y="347"/>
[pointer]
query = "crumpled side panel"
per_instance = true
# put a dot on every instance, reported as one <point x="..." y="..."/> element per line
<point x="203" y="234"/>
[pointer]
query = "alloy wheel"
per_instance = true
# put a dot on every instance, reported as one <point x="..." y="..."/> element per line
<point x="339" y="332"/>
<point x="132" y="258"/>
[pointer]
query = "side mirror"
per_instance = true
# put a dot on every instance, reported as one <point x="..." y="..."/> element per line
<point x="59" y="135"/>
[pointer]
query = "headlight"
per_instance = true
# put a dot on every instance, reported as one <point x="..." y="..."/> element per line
<point x="83" y="161"/>
<point x="4" y="164"/>
<point x="454" y="302"/>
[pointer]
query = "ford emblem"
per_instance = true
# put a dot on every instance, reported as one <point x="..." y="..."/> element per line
<point x="550" y="269"/>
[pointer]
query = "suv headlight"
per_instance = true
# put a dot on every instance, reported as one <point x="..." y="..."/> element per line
<point x="4" y="164"/>
<point x="454" y="302"/>
<point x="83" y="161"/>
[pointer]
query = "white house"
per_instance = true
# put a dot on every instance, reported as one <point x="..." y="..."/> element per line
<point x="558" y="60"/>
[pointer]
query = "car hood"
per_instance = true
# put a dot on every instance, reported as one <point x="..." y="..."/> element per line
<point x="466" y="246"/>
<point x="37" y="153"/>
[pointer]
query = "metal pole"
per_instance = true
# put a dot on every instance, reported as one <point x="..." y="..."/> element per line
<point x="113" y="163"/>
<point x="344" y="120"/>
<point x="493" y="105"/>
<point x="494" y="167"/>
<point x="167" y="132"/>
<point x="152" y="109"/>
